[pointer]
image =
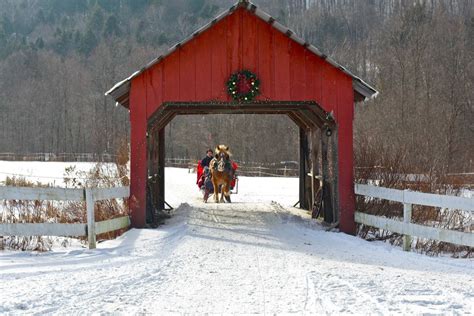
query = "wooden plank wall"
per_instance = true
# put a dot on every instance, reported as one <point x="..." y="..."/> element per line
<point x="199" y="69"/>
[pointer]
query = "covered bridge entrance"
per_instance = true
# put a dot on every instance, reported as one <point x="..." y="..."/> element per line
<point x="295" y="79"/>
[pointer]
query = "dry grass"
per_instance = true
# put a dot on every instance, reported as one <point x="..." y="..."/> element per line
<point x="18" y="211"/>
<point x="100" y="176"/>
<point x="371" y="161"/>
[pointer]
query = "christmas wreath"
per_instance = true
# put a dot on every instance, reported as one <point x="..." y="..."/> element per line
<point x="243" y="86"/>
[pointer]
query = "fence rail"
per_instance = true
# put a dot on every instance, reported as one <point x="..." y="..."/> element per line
<point x="76" y="157"/>
<point x="245" y="168"/>
<point x="405" y="227"/>
<point x="90" y="196"/>
<point x="32" y="194"/>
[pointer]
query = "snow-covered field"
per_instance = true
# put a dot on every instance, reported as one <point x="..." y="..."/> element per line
<point x="36" y="171"/>
<point x="257" y="255"/>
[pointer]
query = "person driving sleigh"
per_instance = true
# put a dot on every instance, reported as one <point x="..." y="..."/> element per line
<point x="204" y="175"/>
<point x="206" y="160"/>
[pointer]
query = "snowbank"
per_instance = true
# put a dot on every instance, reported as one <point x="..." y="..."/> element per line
<point x="253" y="256"/>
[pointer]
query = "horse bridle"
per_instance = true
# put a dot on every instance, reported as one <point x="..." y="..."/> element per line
<point x="220" y="160"/>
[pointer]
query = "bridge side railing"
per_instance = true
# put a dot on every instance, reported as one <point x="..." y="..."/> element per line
<point x="89" y="195"/>
<point x="405" y="227"/>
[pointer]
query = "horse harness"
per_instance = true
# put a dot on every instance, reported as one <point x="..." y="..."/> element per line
<point x="221" y="165"/>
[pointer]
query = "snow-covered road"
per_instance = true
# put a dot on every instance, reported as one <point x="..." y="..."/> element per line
<point x="251" y="256"/>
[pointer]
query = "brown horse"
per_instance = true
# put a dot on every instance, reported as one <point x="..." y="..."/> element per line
<point x="221" y="173"/>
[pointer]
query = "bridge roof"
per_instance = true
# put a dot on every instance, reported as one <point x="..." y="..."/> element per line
<point x="363" y="91"/>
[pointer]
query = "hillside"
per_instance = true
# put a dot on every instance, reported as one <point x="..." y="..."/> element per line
<point x="58" y="57"/>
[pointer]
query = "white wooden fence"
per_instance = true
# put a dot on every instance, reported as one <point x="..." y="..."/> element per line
<point x="90" y="196"/>
<point x="408" y="229"/>
<point x="89" y="157"/>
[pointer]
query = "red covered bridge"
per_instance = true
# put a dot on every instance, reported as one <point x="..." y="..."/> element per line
<point x="296" y="80"/>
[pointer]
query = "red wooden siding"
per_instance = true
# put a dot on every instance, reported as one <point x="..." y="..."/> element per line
<point x="203" y="67"/>
<point x="198" y="71"/>
<point x="170" y="78"/>
<point x="187" y="72"/>
<point x="345" y="119"/>
<point x="233" y="42"/>
<point x="156" y="85"/>
<point x="249" y="43"/>
<point x="298" y="72"/>
<point x="265" y="58"/>
<point x="138" y="164"/>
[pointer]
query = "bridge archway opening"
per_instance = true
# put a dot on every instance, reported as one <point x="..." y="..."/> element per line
<point x="317" y="150"/>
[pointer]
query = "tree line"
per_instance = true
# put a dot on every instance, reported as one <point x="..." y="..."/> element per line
<point x="58" y="57"/>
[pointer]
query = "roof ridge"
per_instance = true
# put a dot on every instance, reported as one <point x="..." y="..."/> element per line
<point x="121" y="89"/>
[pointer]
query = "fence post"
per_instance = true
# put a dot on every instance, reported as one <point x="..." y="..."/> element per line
<point x="407" y="210"/>
<point x="90" y="218"/>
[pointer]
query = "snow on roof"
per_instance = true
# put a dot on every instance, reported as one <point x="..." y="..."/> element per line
<point x="120" y="91"/>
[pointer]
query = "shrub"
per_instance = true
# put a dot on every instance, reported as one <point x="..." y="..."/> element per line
<point x="102" y="175"/>
<point x="379" y="166"/>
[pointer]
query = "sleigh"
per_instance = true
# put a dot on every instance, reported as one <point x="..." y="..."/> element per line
<point x="234" y="183"/>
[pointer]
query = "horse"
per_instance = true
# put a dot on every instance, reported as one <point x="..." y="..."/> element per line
<point x="221" y="173"/>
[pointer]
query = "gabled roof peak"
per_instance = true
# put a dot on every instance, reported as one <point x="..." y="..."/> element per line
<point x="120" y="91"/>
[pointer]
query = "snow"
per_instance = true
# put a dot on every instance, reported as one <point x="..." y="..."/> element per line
<point x="257" y="255"/>
<point x="38" y="171"/>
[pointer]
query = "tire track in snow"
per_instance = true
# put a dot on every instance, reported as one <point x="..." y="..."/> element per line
<point x="229" y="258"/>
<point x="262" y="283"/>
<point x="339" y="295"/>
<point x="224" y="256"/>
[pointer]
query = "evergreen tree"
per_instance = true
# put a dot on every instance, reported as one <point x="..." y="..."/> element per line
<point x="140" y="33"/>
<point x="6" y="25"/>
<point x="96" y="22"/>
<point x="109" y="5"/>
<point x="39" y="43"/>
<point x="88" y="42"/>
<point x="112" y="27"/>
<point x="162" y="39"/>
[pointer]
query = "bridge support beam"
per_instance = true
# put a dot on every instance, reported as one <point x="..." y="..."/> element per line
<point x="156" y="173"/>
<point x="304" y="154"/>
